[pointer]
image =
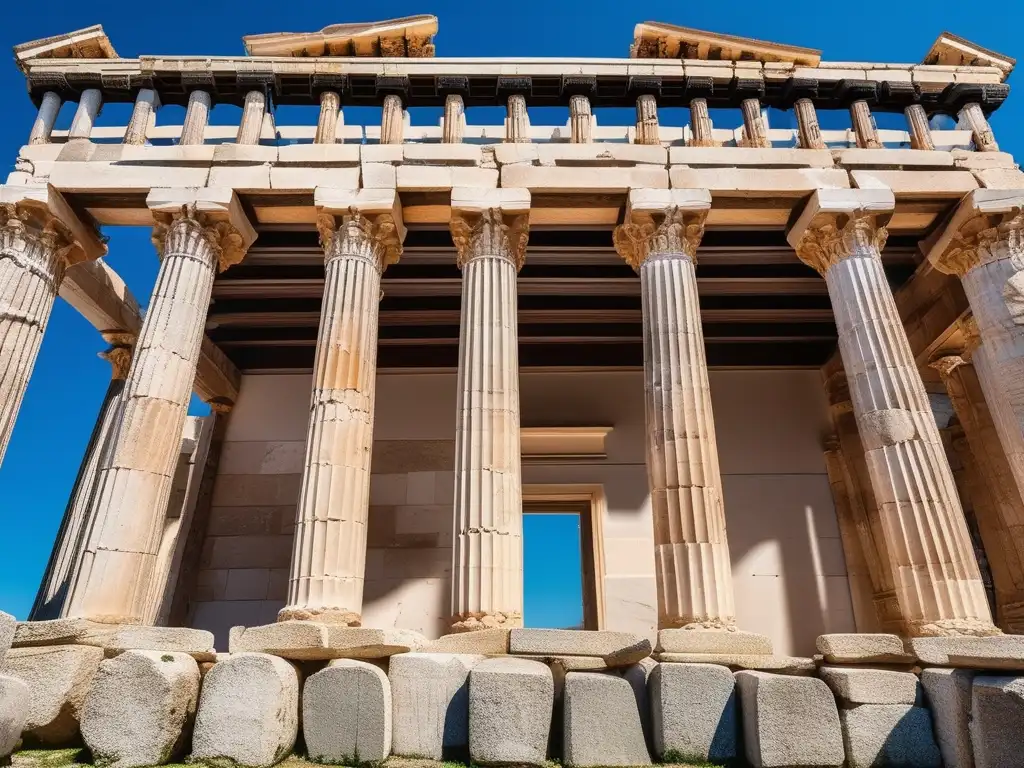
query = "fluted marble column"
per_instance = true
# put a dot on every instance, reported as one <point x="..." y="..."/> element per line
<point x="329" y="550"/>
<point x="999" y="508"/>
<point x="251" y="125"/>
<point x="147" y="102"/>
<point x="330" y="117"/>
<point x="36" y="247"/>
<point x="841" y="234"/>
<point x="490" y="230"/>
<point x="984" y="245"/>
<point x="659" y="239"/>
<point x="701" y="129"/>
<point x="454" y="119"/>
<point x="197" y="115"/>
<point x="79" y="523"/>
<point x="517" y="120"/>
<point x="49" y="108"/>
<point x="647" y="120"/>
<point x="808" y="127"/>
<point x="196" y="234"/>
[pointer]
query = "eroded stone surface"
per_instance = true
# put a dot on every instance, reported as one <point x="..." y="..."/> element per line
<point x="490" y="641"/>
<point x="248" y="711"/>
<point x="308" y="640"/>
<point x="14" y="706"/>
<point x="140" y="707"/>
<point x="779" y="664"/>
<point x="510" y="704"/>
<point x="871" y="686"/>
<point x="346" y="713"/>
<point x="615" y="648"/>
<point x="997" y="709"/>
<point x="789" y="721"/>
<point x="58" y="679"/>
<point x="707" y="641"/>
<point x="855" y="648"/>
<point x="601" y="722"/>
<point x="430" y="692"/>
<point x="119" y="638"/>
<point x="694" y="713"/>
<point x="948" y="695"/>
<point x="7" y="630"/>
<point x="889" y="735"/>
<point x="53" y="632"/>
<point x="1000" y="652"/>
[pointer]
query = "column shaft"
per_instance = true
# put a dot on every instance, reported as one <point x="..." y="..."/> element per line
<point x="327" y="124"/>
<point x="701" y="129"/>
<point x="487" y="570"/>
<point x="49" y="107"/>
<point x="581" y="120"/>
<point x="984" y="138"/>
<point x="808" y="127"/>
<point x="920" y="131"/>
<point x="197" y="115"/>
<point x="392" y="120"/>
<point x="85" y="116"/>
<point x="864" y="126"/>
<point x="79" y="523"/>
<point x="647" y="120"/>
<point x="329" y="551"/>
<point x="454" y="119"/>
<point x="251" y="125"/>
<point x="937" y="581"/>
<point x="755" y="132"/>
<point x="143" y="116"/>
<point x="517" y="121"/>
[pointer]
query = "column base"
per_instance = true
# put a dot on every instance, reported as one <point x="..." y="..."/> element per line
<point x="471" y="622"/>
<point x="952" y="628"/>
<point x="341" y="616"/>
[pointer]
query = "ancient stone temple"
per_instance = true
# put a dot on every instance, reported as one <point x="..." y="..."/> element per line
<point x="772" y="359"/>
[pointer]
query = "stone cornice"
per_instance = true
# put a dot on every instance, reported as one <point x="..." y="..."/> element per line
<point x="490" y="232"/>
<point x="375" y="237"/>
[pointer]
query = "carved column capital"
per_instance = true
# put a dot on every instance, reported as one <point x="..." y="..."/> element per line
<point x="29" y="222"/>
<point x="968" y="327"/>
<point x="830" y="241"/>
<point x="119" y="354"/>
<point x="375" y="237"/>
<point x="947" y="364"/>
<point x="226" y="240"/>
<point x="672" y="230"/>
<point x="490" y="232"/>
<point x="982" y="240"/>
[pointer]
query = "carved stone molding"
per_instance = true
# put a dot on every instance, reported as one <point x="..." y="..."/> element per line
<point x="23" y="224"/>
<point x="226" y="241"/>
<point x="375" y="237"/>
<point x="841" y="237"/>
<point x="490" y="232"/>
<point x="947" y="364"/>
<point x="676" y="230"/>
<point x="982" y="240"/>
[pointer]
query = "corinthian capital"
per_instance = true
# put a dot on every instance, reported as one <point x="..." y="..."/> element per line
<point x="662" y="221"/>
<point x="490" y="222"/>
<point x="375" y="237"/>
<point x="38" y="215"/>
<point x="987" y="226"/>
<point x="212" y="213"/>
<point x="839" y="223"/>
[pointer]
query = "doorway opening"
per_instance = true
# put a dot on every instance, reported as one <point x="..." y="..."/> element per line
<point x="559" y="564"/>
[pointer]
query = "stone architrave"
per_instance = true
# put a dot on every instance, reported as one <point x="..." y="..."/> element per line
<point x="998" y="505"/>
<point x="196" y="234"/>
<point x="490" y="229"/>
<point x="40" y="237"/>
<point x="983" y="244"/>
<point x="840" y="233"/>
<point x="80" y="525"/>
<point x="659" y="239"/>
<point x="361" y="233"/>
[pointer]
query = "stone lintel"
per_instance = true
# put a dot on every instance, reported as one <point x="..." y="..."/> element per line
<point x="88" y="244"/>
<point x="337" y="201"/>
<point x="89" y="43"/>
<point x="826" y="204"/>
<point x="956" y="51"/>
<point x="101" y="297"/>
<point x="509" y="200"/>
<point x="657" y="201"/>
<point x="996" y="203"/>
<point x="219" y="203"/>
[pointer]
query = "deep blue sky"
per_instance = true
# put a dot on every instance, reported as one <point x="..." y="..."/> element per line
<point x="69" y="380"/>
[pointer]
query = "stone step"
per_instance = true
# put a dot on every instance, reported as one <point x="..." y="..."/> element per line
<point x="617" y="649"/>
<point x="313" y="641"/>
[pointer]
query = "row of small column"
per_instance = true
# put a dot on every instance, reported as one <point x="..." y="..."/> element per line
<point x="517" y="124"/>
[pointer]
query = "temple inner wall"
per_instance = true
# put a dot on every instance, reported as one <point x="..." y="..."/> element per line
<point x="791" y="581"/>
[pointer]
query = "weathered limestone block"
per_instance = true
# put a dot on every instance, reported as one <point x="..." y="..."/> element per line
<point x="8" y="626"/>
<point x="789" y="665"/>
<point x="948" y="695"/>
<point x="694" y="713"/>
<point x="1002" y="652"/>
<point x="493" y="642"/>
<point x="248" y="711"/>
<point x="14" y="705"/>
<point x="706" y="641"/>
<point x="614" y="648"/>
<point x="346" y="713"/>
<point x="861" y="649"/>
<point x="118" y="638"/>
<point x="897" y="735"/>
<point x="140" y="707"/>
<point x="58" y="679"/>
<point x="430" y="692"/>
<point x="871" y="686"/>
<point x="310" y="640"/>
<point x="997" y="710"/>
<point x="64" y="631"/>
<point x="601" y="722"/>
<point x="789" y="721"/>
<point x="510" y="705"/>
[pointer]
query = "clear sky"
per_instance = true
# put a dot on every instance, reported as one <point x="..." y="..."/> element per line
<point x="69" y="380"/>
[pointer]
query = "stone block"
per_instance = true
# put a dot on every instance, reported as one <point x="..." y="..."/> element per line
<point x="862" y="649"/>
<point x="248" y="711"/>
<point x="999" y="652"/>
<point x="601" y="722"/>
<point x="784" y="182"/>
<point x="948" y="695"/>
<point x="694" y="715"/>
<point x="565" y="664"/>
<point x="941" y="184"/>
<point x="311" y="641"/>
<point x="114" y="639"/>
<point x="871" y="686"/>
<point x="997" y="710"/>
<point x="53" y="631"/>
<point x="58" y="679"/>
<point x="709" y="641"/>
<point x="430" y="695"/>
<point x="790" y="665"/>
<point x="441" y="154"/>
<point x="789" y="721"/>
<point x="14" y="707"/>
<point x="602" y="154"/>
<point x="896" y="735"/>
<point x="437" y="178"/>
<point x="510" y="706"/>
<point x="318" y="154"/>
<point x="615" y="648"/>
<point x="493" y="642"/>
<point x="584" y="179"/>
<point x="346" y="713"/>
<point x="305" y="178"/>
<point x="8" y="628"/>
<point x="732" y="157"/>
<point x="140" y="708"/>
